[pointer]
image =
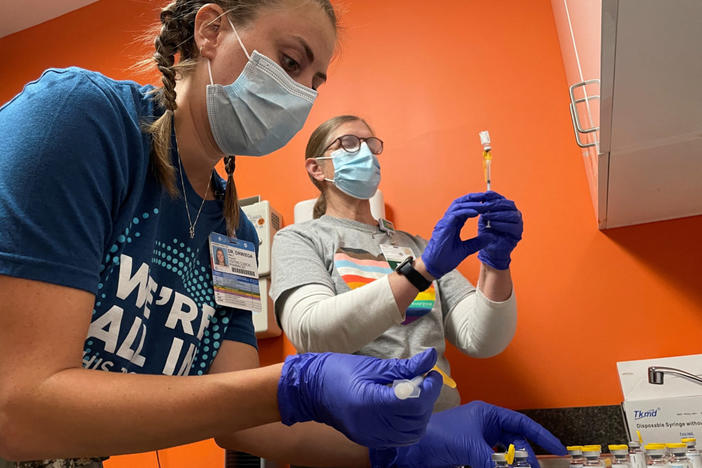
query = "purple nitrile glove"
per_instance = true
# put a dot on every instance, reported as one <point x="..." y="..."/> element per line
<point x="465" y="435"/>
<point x="446" y="250"/>
<point x="506" y="226"/>
<point x="351" y="394"/>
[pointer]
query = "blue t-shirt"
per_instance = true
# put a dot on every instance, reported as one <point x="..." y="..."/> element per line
<point x="80" y="207"/>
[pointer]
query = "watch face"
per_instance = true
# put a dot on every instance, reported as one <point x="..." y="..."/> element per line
<point x="413" y="276"/>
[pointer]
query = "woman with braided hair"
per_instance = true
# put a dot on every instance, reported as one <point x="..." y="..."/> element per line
<point x="111" y="338"/>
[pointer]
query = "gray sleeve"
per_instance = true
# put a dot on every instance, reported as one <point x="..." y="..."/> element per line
<point x="479" y="327"/>
<point x="296" y="260"/>
<point x="317" y="320"/>
<point x="453" y="288"/>
<point x="476" y="325"/>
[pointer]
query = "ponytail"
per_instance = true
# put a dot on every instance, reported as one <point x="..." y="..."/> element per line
<point x="231" y="200"/>
<point x="320" y="206"/>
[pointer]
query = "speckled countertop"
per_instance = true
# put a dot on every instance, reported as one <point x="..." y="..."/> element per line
<point x="601" y="425"/>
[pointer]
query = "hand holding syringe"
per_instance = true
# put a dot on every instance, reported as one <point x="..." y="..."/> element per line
<point x="410" y="388"/>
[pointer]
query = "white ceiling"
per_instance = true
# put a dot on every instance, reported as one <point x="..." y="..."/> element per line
<point x="17" y="15"/>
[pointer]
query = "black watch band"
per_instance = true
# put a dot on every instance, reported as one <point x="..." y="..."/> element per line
<point x="406" y="269"/>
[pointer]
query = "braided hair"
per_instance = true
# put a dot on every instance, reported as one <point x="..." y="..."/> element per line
<point x="176" y="37"/>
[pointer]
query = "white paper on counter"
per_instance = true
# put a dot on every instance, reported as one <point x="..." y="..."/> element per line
<point x="633" y="377"/>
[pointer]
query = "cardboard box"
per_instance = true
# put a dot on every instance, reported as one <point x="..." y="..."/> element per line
<point x="664" y="420"/>
<point x="662" y="413"/>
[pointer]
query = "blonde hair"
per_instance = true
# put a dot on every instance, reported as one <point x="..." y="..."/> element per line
<point x="318" y="142"/>
<point x="176" y="36"/>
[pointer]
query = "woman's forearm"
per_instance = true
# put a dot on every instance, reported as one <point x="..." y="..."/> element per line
<point x="495" y="284"/>
<point x="307" y="444"/>
<point x="78" y="412"/>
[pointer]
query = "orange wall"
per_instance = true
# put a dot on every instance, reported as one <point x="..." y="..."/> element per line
<point x="428" y="79"/>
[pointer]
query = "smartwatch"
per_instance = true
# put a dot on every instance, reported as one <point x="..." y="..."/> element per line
<point x="406" y="269"/>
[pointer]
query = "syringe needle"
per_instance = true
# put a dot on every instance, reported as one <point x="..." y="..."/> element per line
<point x="487" y="161"/>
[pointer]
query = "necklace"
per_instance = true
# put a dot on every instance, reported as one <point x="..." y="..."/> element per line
<point x="191" y="229"/>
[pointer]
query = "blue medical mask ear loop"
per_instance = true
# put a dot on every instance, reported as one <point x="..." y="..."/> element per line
<point x="487" y="160"/>
<point x="239" y="39"/>
<point x="246" y="52"/>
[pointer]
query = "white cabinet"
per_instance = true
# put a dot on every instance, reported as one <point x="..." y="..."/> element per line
<point x="267" y="222"/>
<point x="643" y="157"/>
<point x="579" y="30"/>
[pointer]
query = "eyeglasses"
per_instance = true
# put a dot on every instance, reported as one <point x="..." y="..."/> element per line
<point x="352" y="143"/>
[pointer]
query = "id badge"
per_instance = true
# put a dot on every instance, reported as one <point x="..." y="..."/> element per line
<point x="386" y="226"/>
<point x="395" y="255"/>
<point x="234" y="273"/>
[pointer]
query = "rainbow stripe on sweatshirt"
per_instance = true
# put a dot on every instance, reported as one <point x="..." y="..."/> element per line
<point x="358" y="268"/>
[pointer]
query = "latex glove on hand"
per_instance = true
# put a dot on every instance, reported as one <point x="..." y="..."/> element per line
<point x="465" y="435"/>
<point x="506" y="226"/>
<point x="446" y="250"/>
<point x="350" y="393"/>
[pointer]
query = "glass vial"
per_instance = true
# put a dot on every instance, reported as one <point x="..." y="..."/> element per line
<point x="576" y="456"/>
<point x="500" y="460"/>
<point x="521" y="459"/>
<point x="678" y="456"/>
<point x="592" y="456"/>
<point x="656" y="456"/>
<point x="692" y="453"/>
<point x="620" y="454"/>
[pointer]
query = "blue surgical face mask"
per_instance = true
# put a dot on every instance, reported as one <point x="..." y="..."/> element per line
<point x="261" y="111"/>
<point x="355" y="174"/>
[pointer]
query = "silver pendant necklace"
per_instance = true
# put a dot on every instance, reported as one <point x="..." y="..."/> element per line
<point x="191" y="223"/>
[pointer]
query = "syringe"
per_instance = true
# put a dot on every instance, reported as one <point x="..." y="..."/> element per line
<point x="404" y="388"/>
<point x="487" y="156"/>
<point x="487" y="159"/>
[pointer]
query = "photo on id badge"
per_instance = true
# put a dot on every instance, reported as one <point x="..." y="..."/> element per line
<point x="219" y="257"/>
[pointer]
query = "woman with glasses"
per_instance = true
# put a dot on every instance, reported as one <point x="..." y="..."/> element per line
<point x="349" y="283"/>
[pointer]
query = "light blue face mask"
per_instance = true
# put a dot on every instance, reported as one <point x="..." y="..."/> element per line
<point x="355" y="174"/>
<point x="261" y="111"/>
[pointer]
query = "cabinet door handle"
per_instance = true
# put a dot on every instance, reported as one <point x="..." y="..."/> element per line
<point x="577" y="127"/>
